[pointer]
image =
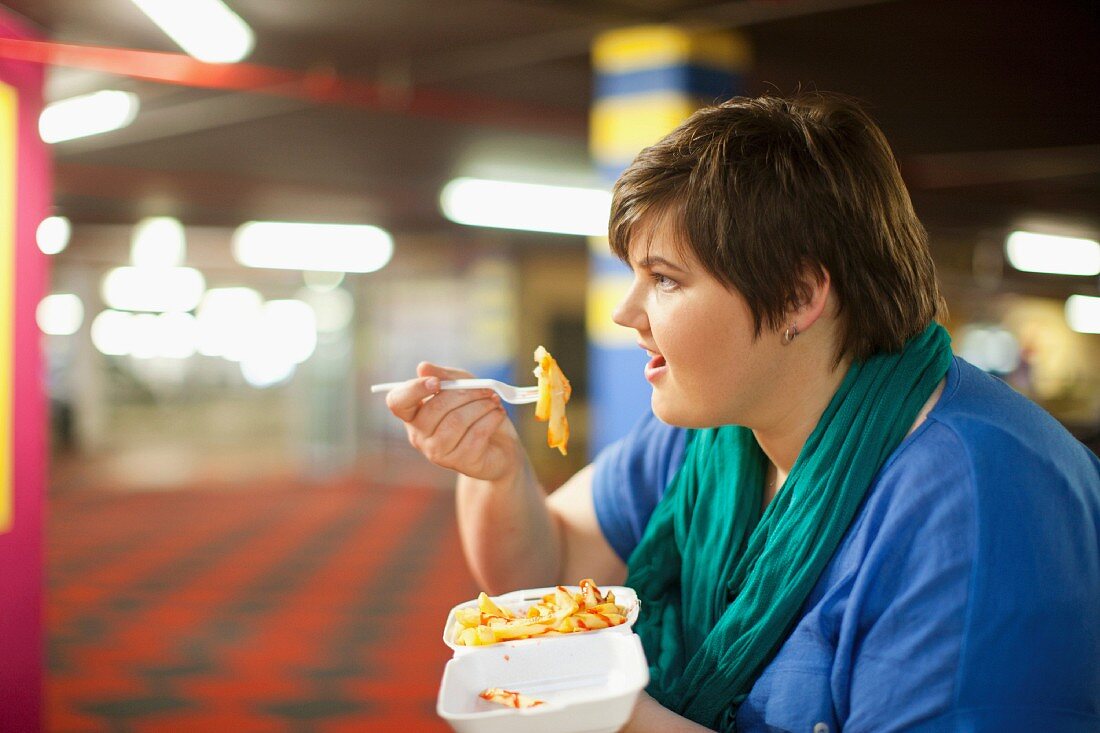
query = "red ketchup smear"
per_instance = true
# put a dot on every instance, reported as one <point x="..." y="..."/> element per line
<point x="511" y="699"/>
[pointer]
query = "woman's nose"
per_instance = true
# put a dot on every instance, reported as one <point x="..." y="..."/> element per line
<point x="628" y="312"/>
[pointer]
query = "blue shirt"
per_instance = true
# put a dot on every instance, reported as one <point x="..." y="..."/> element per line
<point x="965" y="595"/>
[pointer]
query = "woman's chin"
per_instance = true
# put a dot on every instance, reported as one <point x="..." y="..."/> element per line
<point x="674" y="412"/>
<point x="660" y="408"/>
<point x="677" y="412"/>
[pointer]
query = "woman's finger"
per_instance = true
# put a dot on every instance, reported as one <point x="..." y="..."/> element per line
<point x="454" y="426"/>
<point x="475" y="442"/>
<point x="434" y="411"/>
<point x="428" y="369"/>
<point x="405" y="401"/>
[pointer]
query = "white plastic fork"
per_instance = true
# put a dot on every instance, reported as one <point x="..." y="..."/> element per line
<point x="507" y="392"/>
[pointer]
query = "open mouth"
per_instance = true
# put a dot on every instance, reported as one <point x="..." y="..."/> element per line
<point x="655" y="368"/>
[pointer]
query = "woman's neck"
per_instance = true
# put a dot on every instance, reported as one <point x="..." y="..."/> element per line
<point x="808" y="394"/>
<point x="782" y="446"/>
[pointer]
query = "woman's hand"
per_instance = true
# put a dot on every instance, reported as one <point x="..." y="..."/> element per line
<point x="464" y="430"/>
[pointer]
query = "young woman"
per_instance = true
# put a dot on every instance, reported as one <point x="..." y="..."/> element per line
<point x="832" y="522"/>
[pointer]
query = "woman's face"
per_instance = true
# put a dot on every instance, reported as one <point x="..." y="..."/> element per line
<point x="707" y="368"/>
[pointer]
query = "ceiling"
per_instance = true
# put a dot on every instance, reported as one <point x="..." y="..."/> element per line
<point x="991" y="107"/>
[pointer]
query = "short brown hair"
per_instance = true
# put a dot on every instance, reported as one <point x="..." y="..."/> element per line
<point x="771" y="190"/>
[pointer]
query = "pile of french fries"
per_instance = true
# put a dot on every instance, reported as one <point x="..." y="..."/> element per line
<point x="554" y="392"/>
<point x="560" y="612"/>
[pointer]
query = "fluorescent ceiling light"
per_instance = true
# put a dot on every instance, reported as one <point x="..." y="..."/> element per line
<point x="284" y="336"/>
<point x="527" y="206"/>
<point x="205" y="29"/>
<point x="288" y="330"/>
<point x="230" y="303"/>
<point x="322" y="281"/>
<point x="112" y="334"/>
<point x="226" y="317"/>
<point x="144" y="337"/>
<point x="333" y="309"/>
<point x="176" y="335"/>
<point x="153" y="290"/>
<point x="1083" y="313"/>
<point x="53" y="234"/>
<point x="88" y="114"/>
<point x="60" y="314"/>
<point x="262" y="373"/>
<point x="158" y="242"/>
<point x="1034" y="252"/>
<point x="321" y="247"/>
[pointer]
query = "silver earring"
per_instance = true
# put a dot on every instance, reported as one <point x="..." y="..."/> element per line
<point x="790" y="333"/>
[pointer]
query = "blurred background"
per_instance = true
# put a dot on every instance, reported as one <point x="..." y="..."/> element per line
<point x="237" y="535"/>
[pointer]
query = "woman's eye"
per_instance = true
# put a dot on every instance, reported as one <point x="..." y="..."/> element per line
<point x="663" y="282"/>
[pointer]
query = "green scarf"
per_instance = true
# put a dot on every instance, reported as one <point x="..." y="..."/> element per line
<point x="721" y="586"/>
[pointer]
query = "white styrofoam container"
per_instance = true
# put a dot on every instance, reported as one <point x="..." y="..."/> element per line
<point x="588" y="681"/>
<point x="520" y="600"/>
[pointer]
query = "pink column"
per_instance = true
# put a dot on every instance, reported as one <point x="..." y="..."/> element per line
<point x="25" y="188"/>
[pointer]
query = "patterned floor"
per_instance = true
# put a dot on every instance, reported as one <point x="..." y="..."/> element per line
<point x="294" y="608"/>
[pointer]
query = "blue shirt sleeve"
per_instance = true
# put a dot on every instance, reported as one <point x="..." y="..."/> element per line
<point x="631" y="476"/>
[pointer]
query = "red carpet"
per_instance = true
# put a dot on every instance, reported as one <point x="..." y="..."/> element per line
<point x="297" y="608"/>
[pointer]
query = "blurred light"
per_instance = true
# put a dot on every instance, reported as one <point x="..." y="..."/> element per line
<point x="53" y="234"/>
<point x="1083" y="313"/>
<point x="333" y="309"/>
<point x="176" y="335"/>
<point x="205" y="29"/>
<point x="990" y="348"/>
<point x="322" y="281"/>
<point x="528" y="206"/>
<point x="284" y="336"/>
<point x="263" y="373"/>
<point x="112" y="334"/>
<point x="225" y="318"/>
<point x="318" y="247"/>
<point x="288" y="328"/>
<point x="60" y="314"/>
<point x="88" y="114"/>
<point x="144" y="337"/>
<point x="1033" y="252"/>
<point x="154" y="290"/>
<point x="158" y="242"/>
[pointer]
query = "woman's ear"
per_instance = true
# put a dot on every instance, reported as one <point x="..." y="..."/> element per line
<point x="815" y="288"/>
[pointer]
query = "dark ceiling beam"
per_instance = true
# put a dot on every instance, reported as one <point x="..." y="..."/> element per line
<point x="398" y="87"/>
<point x="185" y="118"/>
<point x="318" y="86"/>
<point x="992" y="167"/>
<point x="740" y="13"/>
<point x="112" y="193"/>
<point x="209" y="187"/>
<point x="577" y="42"/>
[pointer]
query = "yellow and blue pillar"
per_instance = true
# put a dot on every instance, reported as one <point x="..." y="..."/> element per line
<point x="649" y="79"/>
